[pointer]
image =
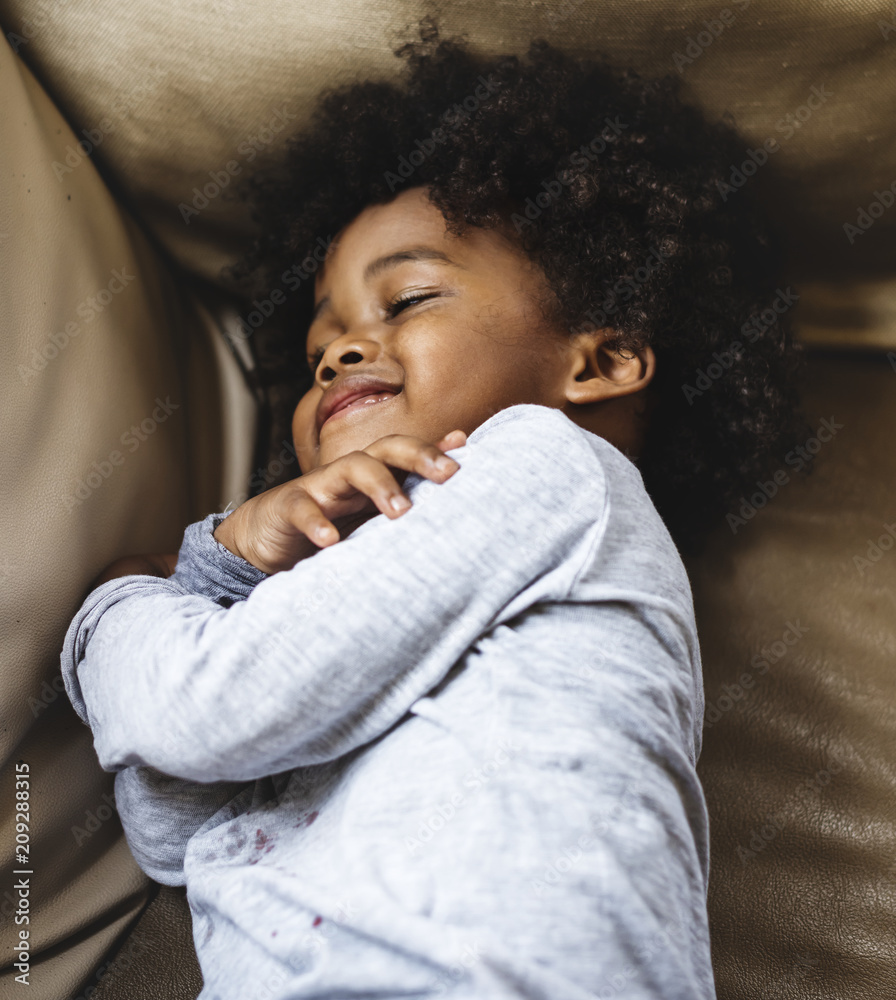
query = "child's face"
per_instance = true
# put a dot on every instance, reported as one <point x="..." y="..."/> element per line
<point x="477" y="343"/>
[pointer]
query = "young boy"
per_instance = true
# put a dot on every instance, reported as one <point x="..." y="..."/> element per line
<point x="450" y="748"/>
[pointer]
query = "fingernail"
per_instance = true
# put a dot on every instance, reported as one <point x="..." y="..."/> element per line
<point x="445" y="464"/>
<point x="399" y="503"/>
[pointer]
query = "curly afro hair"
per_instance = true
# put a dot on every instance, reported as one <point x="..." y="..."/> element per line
<point x="620" y="193"/>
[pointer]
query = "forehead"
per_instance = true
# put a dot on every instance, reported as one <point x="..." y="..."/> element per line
<point x="409" y="220"/>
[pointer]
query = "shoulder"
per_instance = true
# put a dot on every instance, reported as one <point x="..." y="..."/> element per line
<point x="555" y="436"/>
<point x="540" y="431"/>
<point x="521" y="416"/>
<point x="541" y="424"/>
<point x="546" y="436"/>
<point x="543" y="441"/>
<point x="526" y="455"/>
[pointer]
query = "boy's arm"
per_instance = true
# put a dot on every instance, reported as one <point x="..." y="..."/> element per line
<point x="160" y="814"/>
<point x="207" y="568"/>
<point x="324" y="657"/>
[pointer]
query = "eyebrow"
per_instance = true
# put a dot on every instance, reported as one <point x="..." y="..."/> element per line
<point x="393" y="260"/>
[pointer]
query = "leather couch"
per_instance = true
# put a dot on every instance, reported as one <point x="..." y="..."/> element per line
<point x="130" y="411"/>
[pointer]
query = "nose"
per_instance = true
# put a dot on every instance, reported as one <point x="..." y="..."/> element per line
<point x="343" y="352"/>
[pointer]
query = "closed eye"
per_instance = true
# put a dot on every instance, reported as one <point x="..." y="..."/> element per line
<point x="397" y="305"/>
<point x="392" y="310"/>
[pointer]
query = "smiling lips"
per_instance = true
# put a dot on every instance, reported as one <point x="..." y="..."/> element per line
<point x="360" y="401"/>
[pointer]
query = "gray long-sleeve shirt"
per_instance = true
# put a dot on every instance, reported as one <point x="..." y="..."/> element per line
<point x="451" y="755"/>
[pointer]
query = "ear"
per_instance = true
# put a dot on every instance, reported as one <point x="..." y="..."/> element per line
<point x="600" y="371"/>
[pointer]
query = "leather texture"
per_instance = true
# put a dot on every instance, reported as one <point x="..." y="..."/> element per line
<point x="796" y="619"/>
<point x="799" y="768"/>
<point x="157" y="961"/>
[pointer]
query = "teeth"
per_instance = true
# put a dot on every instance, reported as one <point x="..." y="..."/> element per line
<point x="374" y="398"/>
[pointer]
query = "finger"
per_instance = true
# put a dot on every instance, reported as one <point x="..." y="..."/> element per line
<point x="453" y="439"/>
<point x="360" y="478"/>
<point x="361" y="473"/>
<point x="414" y="455"/>
<point x="303" y="513"/>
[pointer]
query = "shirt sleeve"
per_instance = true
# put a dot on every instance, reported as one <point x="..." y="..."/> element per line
<point x="209" y="569"/>
<point x="322" y="658"/>
<point x="160" y="814"/>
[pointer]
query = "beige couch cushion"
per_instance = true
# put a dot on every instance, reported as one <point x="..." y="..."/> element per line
<point x="158" y="960"/>
<point x="112" y="394"/>
<point x="184" y="98"/>
<point x="796" y="616"/>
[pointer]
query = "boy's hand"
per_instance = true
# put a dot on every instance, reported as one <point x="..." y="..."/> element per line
<point x="290" y="522"/>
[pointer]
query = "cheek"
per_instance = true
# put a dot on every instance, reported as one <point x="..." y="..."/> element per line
<point x="305" y="415"/>
<point x="507" y="339"/>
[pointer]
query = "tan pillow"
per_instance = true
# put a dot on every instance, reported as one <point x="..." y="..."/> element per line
<point x="796" y="605"/>
<point x="113" y="393"/>
<point x="181" y="99"/>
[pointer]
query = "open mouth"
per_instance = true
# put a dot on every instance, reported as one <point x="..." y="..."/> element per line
<point x="373" y="399"/>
